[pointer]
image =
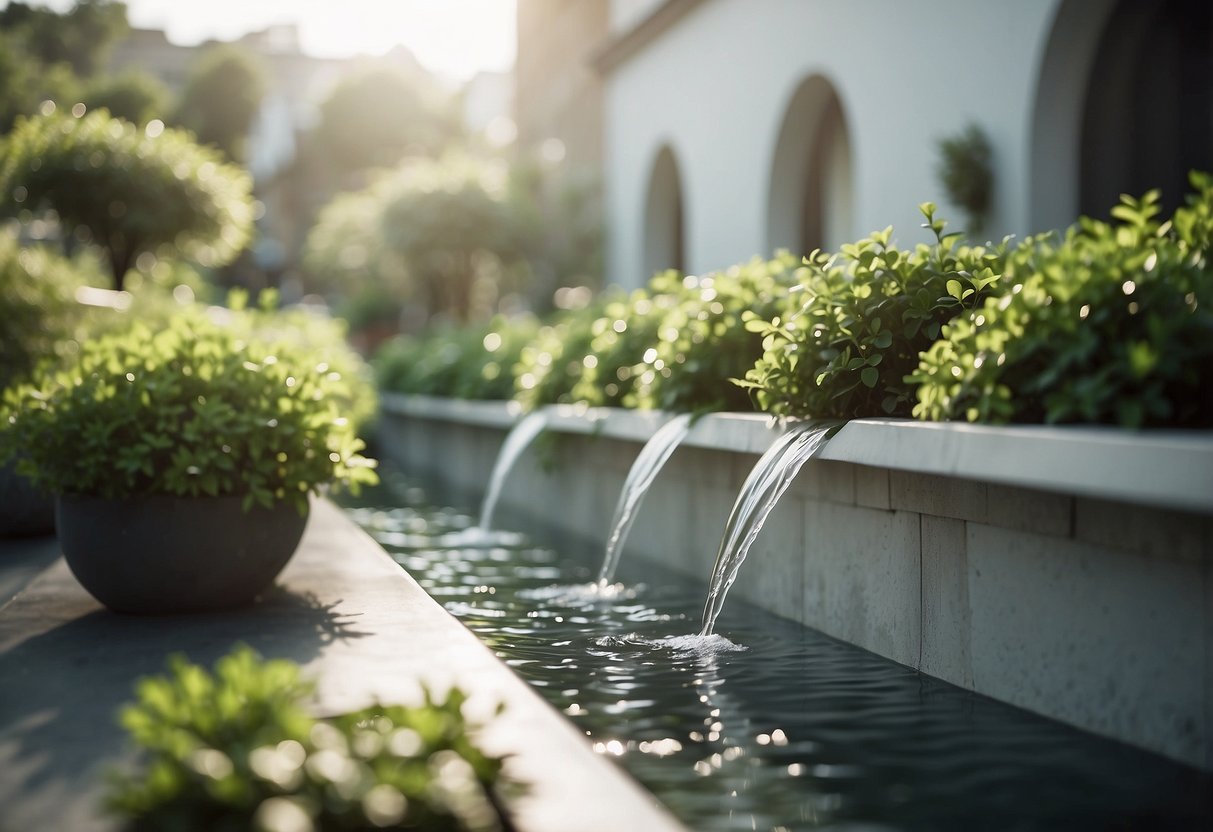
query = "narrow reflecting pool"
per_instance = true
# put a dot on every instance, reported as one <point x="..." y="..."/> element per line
<point x="774" y="726"/>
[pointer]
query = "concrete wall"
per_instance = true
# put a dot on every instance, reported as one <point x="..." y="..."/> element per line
<point x="716" y="87"/>
<point x="1080" y="602"/>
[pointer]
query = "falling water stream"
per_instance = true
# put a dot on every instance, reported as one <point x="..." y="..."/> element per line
<point x="518" y="440"/>
<point x="798" y="731"/>
<point x="652" y="458"/>
<point x="768" y="480"/>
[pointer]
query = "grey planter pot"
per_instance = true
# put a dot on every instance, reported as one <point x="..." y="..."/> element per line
<point x="163" y="554"/>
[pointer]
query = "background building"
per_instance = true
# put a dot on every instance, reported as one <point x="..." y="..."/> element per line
<point x="734" y="128"/>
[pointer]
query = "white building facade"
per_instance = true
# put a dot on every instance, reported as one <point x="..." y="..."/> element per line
<point x="736" y="127"/>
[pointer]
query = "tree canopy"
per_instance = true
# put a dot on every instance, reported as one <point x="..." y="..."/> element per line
<point x="128" y="190"/>
<point x="221" y="99"/>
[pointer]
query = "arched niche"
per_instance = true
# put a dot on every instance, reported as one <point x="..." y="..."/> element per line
<point x="810" y="200"/>
<point x="1124" y="103"/>
<point x="664" y="235"/>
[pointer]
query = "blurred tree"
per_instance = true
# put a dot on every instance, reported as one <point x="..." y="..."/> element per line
<point x="25" y="83"/>
<point x="80" y="37"/>
<point x="131" y="95"/>
<point x="221" y="98"/>
<point x="377" y="117"/>
<point x="462" y="236"/>
<point x="127" y="190"/>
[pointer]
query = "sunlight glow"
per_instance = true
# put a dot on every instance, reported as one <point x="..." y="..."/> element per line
<point x="453" y="38"/>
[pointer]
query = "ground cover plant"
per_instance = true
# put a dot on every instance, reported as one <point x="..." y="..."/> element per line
<point x="237" y="749"/>
<point x="201" y="406"/>
<point x="853" y="327"/>
<point x="1111" y="322"/>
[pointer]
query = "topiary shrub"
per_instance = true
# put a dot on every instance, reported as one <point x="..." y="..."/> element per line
<point x="854" y="325"/>
<point x="236" y="749"/>
<point x="1108" y="323"/>
<point x="126" y="189"/>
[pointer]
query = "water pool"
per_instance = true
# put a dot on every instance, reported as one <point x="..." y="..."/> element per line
<point x="796" y="730"/>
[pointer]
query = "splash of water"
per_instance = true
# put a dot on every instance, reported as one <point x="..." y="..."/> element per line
<point x="518" y="440"/>
<point x="766" y="483"/>
<point x="653" y="456"/>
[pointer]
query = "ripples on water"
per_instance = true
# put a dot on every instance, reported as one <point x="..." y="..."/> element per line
<point x="775" y="726"/>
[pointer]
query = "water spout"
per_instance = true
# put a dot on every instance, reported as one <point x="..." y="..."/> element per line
<point x="518" y="440"/>
<point x="653" y="456"/>
<point x="766" y="483"/>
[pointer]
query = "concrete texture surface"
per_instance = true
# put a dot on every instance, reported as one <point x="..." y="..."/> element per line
<point x="1067" y="571"/>
<point x="360" y="626"/>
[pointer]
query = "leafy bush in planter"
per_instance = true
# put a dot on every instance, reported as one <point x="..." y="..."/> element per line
<point x="236" y="749"/>
<point x="319" y="340"/>
<point x="702" y="342"/>
<point x="470" y="363"/>
<point x="1110" y="323"/>
<point x="854" y="326"/>
<point x="619" y="339"/>
<point x="194" y="408"/>
<point x="552" y="364"/>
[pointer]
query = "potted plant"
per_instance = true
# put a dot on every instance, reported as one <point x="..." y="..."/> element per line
<point x="182" y="459"/>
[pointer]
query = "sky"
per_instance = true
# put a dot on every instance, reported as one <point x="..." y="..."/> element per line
<point x="454" y="38"/>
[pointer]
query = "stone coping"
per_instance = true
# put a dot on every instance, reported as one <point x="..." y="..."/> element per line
<point x="359" y="625"/>
<point x="1164" y="468"/>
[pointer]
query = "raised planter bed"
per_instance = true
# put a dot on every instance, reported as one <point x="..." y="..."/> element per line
<point x="1064" y="570"/>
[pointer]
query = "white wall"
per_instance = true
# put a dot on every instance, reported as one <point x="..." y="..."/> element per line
<point x="716" y="87"/>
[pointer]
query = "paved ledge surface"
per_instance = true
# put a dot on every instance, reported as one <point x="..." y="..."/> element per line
<point x="342" y="608"/>
<point x="1161" y="468"/>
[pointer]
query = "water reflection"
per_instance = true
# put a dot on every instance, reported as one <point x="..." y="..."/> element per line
<point x="779" y="727"/>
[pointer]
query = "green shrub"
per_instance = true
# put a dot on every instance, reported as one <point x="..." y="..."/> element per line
<point x="853" y="328"/>
<point x="1110" y="323"/>
<point x="198" y="407"/>
<point x="468" y="363"/>
<point x="618" y="342"/>
<point x="40" y="318"/>
<point x="702" y="341"/>
<point x="128" y="190"/>
<point x="552" y="364"/>
<point x="236" y="749"/>
<point x="967" y="174"/>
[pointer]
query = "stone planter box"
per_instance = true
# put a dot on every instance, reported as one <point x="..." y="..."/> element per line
<point x="1063" y="570"/>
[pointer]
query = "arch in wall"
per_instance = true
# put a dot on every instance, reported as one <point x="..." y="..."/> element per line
<point x="664" y="233"/>
<point x="1123" y="104"/>
<point x="810" y="200"/>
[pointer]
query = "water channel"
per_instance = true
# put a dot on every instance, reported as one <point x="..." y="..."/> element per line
<point x="773" y="726"/>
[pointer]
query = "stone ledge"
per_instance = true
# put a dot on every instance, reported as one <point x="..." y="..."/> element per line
<point x="1167" y="469"/>
<point x="357" y="622"/>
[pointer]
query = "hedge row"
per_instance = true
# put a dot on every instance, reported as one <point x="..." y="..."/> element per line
<point x="1104" y="323"/>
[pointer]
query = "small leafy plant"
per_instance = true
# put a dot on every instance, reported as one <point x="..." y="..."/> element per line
<point x="198" y="407"/>
<point x="467" y="363"/>
<point x="967" y="174"/>
<point x="1110" y="323"/>
<point x="854" y="326"/>
<point x="702" y="341"/>
<point x="551" y="365"/>
<point x="237" y="749"/>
